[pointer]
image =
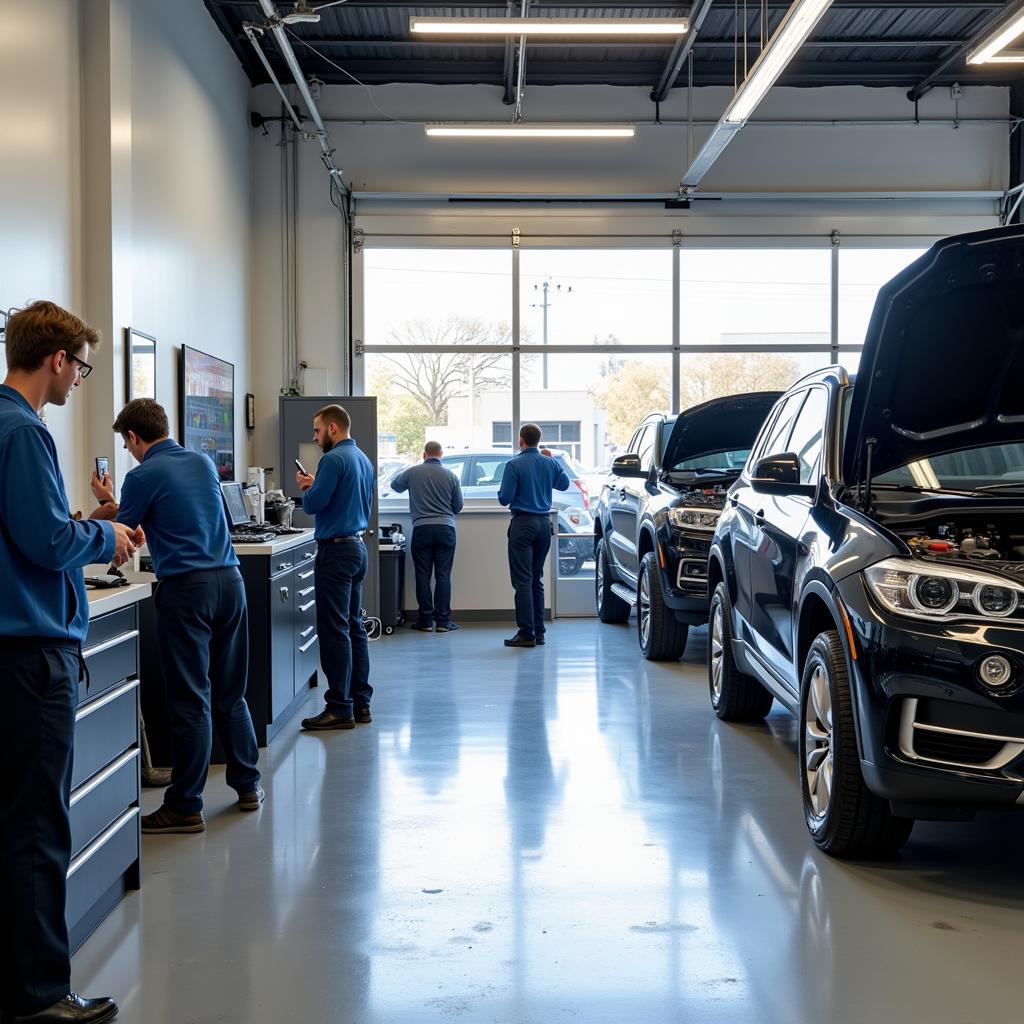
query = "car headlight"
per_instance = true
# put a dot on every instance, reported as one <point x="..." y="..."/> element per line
<point x="940" y="591"/>
<point x="693" y="518"/>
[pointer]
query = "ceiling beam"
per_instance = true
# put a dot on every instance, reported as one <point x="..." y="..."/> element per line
<point x="680" y="51"/>
<point x="508" y="75"/>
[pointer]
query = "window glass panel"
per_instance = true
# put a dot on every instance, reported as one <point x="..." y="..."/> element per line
<point x="647" y="447"/>
<point x="487" y="470"/>
<point x="595" y="297"/>
<point x="778" y="438"/>
<point x="861" y="273"/>
<point x="808" y="432"/>
<point x="709" y="375"/>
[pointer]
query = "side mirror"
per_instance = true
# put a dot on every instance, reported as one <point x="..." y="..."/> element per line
<point x="627" y="465"/>
<point x="780" y="474"/>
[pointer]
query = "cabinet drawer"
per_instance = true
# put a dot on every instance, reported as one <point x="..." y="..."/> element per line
<point x="110" y="661"/>
<point x="101" y="863"/>
<point x="105" y="728"/>
<point x="103" y="799"/>
<point x="305" y="603"/>
<point x="105" y="627"/>
<point x="307" y="659"/>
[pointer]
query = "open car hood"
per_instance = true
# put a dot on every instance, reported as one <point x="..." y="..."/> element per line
<point x="943" y="362"/>
<point x="721" y="425"/>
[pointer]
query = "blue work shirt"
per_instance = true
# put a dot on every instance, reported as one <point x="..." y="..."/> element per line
<point x="174" y="495"/>
<point x="341" y="496"/>
<point x="42" y="549"/>
<point x="527" y="481"/>
<point x="435" y="494"/>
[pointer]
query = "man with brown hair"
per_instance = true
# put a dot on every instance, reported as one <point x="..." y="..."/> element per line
<point x="43" y="621"/>
<point x="340" y="496"/>
<point x="202" y="620"/>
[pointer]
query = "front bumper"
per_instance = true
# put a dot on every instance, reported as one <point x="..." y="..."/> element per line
<point x="683" y="559"/>
<point x="930" y="734"/>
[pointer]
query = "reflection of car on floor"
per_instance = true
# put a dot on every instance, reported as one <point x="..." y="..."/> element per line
<point x="480" y="472"/>
<point x="868" y="569"/>
<point x="656" y="514"/>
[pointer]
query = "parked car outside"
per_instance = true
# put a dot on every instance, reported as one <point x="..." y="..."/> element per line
<point x="868" y="569"/>
<point x="480" y="473"/>
<point x="656" y="513"/>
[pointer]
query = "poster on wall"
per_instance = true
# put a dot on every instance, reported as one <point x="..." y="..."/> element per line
<point x="208" y="408"/>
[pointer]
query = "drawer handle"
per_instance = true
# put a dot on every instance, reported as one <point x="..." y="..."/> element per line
<point x="308" y="590"/>
<point x="309" y="604"/>
<point x="121" y="638"/>
<point x="98" y="780"/>
<point x="309" y="643"/>
<point x="285" y="565"/>
<point x="307" y="631"/>
<point x="109" y="698"/>
<point x="307" y="555"/>
<point x="306" y="575"/>
<point x="284" y="595"/>
<point x="101" y="840"/>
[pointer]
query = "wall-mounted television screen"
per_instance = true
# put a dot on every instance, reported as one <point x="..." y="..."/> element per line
<point x="207" y="389"/>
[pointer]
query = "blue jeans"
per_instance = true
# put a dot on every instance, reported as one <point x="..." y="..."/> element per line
<point x="529" y="540"/>
<point x="203" y="633"/>
<point x="344" y="649"/>
<point x="433" y="552"/>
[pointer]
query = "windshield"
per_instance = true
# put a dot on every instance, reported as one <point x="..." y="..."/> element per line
<point x="989" y="468"/>
<point x="725" y="462"/>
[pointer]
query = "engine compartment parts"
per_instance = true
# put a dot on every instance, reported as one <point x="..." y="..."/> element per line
<point x="976" y="542"/>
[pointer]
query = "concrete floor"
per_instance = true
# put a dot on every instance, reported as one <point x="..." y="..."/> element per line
<point x="563" y="834"/>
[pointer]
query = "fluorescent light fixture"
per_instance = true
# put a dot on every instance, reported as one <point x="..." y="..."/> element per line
<point x="1000" y="38"/>
<point x="499" y="130"/>
<point x="551" y="26"/>
<point x="797" y="25"/>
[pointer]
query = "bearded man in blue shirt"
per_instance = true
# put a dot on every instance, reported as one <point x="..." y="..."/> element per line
<point x="201" y="613"/>
<point x="340" y="497"/>
<point x="44" y="616"/>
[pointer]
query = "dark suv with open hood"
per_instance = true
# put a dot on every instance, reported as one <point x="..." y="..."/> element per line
<point x="868" y="570"/>
<point x="655" y="516"/>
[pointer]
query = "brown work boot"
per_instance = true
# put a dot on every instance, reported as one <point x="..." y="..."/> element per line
<point x="165" y="820"/>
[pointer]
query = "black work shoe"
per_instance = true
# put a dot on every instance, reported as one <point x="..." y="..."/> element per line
<point x="327" y="719"/>
<point x="448" y="627"/>
<point x="521" y="640"/>
<point x="363" y="716"/>
<point x="251" y="801"/>
<point x="422" y="627"/>
<point x="72" y="1009"/>
<point x="165" y="820"/>
<point x="539" y="640"/>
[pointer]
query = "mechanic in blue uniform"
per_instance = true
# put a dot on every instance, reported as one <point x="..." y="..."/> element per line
<point x="340" y="497"/>
<point x="43" y="620"/>
<point x="202" y="619"/>
<point x="526" y="486"/>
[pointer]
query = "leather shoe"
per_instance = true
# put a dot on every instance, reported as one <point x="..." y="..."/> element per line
<point x="363" y="716"/>
<point x="422" y="627"/>
<point x="327" y="719"/>
<point x="521" y="640"/>
<point x="539" y="640"/>
<point x="72" y="1009"/>
<point x="251" y="801"/>
<point x="165" y="821"/>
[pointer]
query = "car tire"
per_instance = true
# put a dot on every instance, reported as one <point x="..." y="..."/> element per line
<point x="610" y="607"/>
<point x="662" y="637"/>
<point x="844" y="817"/>
<point x="735" y="696"/>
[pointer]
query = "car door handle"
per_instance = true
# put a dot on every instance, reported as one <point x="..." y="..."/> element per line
<point x="622" y="492"/>
<point x="733" y="500"/>
<point x="759" y="517"/>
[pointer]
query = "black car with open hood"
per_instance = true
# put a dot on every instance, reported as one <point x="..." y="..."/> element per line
<point x="655" y="516"/>
<point x="868" y="569"/>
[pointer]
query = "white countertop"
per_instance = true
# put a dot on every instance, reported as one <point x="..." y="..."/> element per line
<point x="275" y="547"/>
<point x="112" y="600"/>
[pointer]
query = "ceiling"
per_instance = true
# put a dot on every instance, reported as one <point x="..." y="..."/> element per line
<point x="857" y="42"/>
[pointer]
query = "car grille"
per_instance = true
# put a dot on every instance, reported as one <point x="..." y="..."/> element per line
<point x="955" y="748"/>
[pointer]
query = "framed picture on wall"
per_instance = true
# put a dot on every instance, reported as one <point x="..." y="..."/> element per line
<point x="207" y="389"/>
<point x="140" y="364"/>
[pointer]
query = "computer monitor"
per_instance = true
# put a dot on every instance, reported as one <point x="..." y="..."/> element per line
<point x="234" y="502"/>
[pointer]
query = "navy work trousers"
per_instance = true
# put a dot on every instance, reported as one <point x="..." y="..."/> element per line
<point x="203" y="631"/>
<point x="433" y="552"/>
<point x="529" y="541"/>
<point x="344" y="649"/>
<point x="37" y="729"/>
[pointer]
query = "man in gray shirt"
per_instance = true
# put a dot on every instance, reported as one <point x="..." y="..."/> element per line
<point x="435" y="499"/>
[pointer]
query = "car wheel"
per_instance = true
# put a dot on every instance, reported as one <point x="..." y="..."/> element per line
<point x="844" y="817"/>
<point x="735" y="696"/>
<point x="610" y="607"/>
<point x="662" y="637"/>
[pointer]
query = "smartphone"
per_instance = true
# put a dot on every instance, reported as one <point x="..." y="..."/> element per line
<point x="301" y="468"/>
<point x="102" y="466"/>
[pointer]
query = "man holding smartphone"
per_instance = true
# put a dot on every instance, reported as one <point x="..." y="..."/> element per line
<point x="43" y="621"/>
<point x="340" y="496"/>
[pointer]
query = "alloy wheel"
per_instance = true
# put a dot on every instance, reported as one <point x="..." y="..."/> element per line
<point x="818" y="741"/>
<point x="599" y="580"/>
<point x="644" y="607"/>
<point x="717" y="650"/>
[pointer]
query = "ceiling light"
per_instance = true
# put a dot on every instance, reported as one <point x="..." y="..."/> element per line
<point x="999" y="39"/>
<point x="301" y="15"/>
<point x="531" y="131"/>
<point x="551" y="26"/>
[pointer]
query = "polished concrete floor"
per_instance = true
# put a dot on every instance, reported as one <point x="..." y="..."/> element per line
<point x="562" y="834"/>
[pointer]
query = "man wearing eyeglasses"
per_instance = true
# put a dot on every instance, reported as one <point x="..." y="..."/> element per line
<point x="43" y="621"/>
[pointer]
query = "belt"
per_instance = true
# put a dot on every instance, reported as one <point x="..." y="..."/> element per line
<point x="341" y="540"/>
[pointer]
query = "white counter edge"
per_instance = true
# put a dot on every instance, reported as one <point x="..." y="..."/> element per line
<point x="103" y="601"/>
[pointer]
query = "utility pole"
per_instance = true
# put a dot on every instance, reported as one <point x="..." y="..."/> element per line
<point x="546" y="288"/>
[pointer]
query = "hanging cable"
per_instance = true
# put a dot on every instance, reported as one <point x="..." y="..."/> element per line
<point x="745" y="64"/>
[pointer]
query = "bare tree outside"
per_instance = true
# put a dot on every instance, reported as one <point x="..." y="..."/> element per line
<point x="714" y="375"/>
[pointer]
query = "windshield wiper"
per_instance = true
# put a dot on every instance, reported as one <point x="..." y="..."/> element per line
<point x="1006" y="485"/>
<point x="915" y="489"/>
